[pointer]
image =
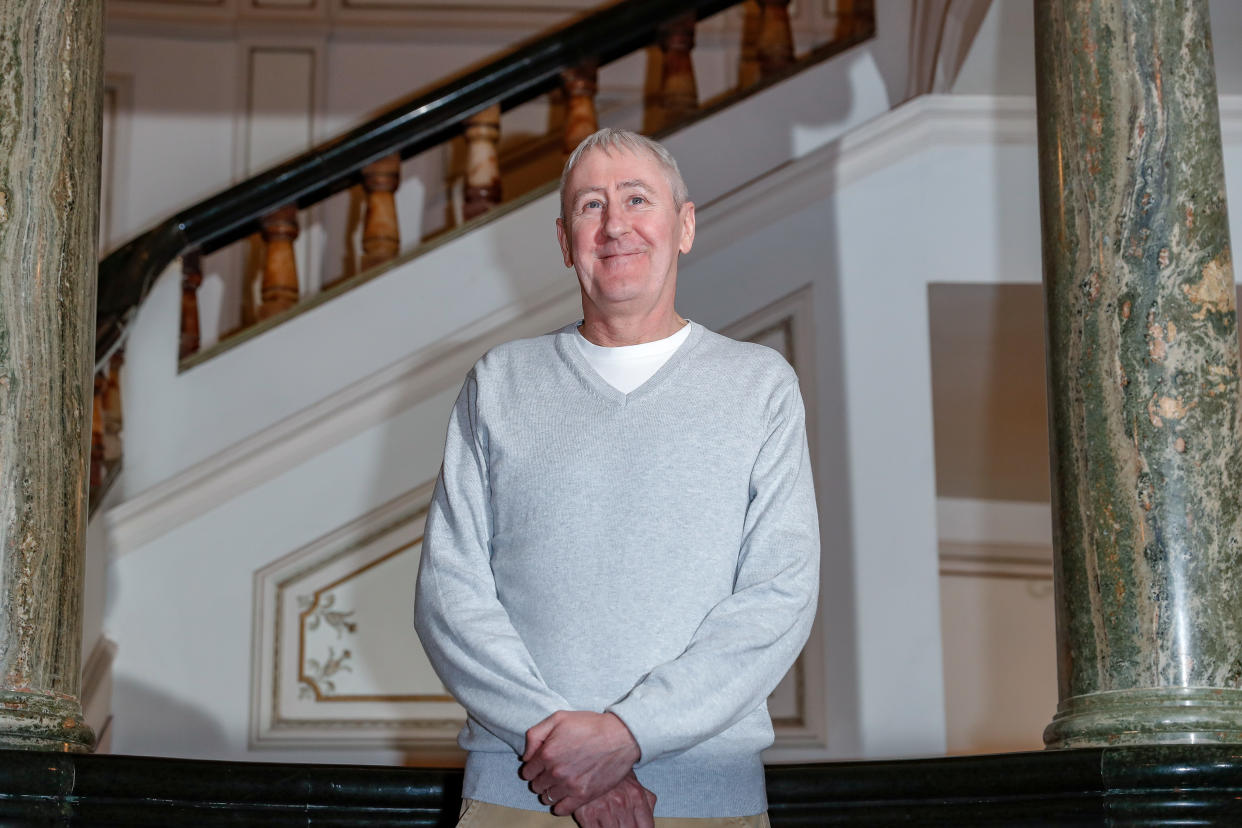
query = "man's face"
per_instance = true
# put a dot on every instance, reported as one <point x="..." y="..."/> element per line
<point x="622" y="233"/>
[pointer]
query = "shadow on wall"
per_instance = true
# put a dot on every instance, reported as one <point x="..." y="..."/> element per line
<point x="198" y="734"/>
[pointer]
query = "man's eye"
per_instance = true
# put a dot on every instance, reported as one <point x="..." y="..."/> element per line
<point x="637" y="199"/>
<point x="593" y="204"/>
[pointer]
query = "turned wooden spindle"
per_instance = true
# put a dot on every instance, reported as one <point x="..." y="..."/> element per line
<point x="191" y="278"/>
<point x="848" y="18"/>
<point x="280" y="269"/>
<point x="580" y="117"/>
<point x="776" y="49"/>
<point x="679" y="94"/>
<point x="98" y="466"/>
<point x="112" y="417"/>
<point x="748" y="64"/>
<point x="482" y="162"/>
<point x="381" y="236"/>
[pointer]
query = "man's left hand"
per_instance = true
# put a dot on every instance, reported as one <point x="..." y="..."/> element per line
<point x="572" y="757"/>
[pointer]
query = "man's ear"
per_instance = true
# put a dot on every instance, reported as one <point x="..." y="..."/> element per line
<point x="687" y="227"/>
<point x="562" y="236"/>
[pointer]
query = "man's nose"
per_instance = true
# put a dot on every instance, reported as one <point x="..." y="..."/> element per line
<point x="615" y="222"/>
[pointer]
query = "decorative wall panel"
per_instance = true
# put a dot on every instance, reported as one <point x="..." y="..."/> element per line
<point x="798" y="703"/>
<point x="337" y="661"/>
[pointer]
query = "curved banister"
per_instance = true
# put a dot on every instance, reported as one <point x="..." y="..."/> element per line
<point x="530" y="69"/>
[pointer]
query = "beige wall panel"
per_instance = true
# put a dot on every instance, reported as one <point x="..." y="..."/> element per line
<point x="999" y="658"/>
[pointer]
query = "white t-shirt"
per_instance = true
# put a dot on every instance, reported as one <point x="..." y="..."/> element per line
<point x="625" y="367"/>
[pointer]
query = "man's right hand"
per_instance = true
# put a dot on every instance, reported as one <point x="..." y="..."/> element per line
<point x="628" y="805"/>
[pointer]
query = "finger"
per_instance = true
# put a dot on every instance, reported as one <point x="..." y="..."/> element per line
<point x="531" y="769"/>
<point x="644" y="818"/>
<point x="536" y="735"/>
<point x="589" y="818"/>
<point x="545" y="782"/>
<point x="566" y="806"/>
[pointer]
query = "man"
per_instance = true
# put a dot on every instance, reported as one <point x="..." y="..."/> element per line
<point x="621" y="555"/>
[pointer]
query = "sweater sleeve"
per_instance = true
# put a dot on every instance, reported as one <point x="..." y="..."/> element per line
<point x="747" y="641"/>
<point x="464" y="628"/>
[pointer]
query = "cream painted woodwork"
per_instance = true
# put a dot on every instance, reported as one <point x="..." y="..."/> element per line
<point x="812" y="18"/>
<point x="337" y="661"/>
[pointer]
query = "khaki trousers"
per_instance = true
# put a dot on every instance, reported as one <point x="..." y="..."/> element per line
<point x="475" y="814"/>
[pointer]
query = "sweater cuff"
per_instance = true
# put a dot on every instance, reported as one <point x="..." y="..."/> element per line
<point x="651" y="744"/>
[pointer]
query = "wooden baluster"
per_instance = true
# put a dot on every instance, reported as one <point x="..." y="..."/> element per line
<point x="381" y="236"/>
<point x="280" y="268"/>
<point x="191" y="278"/>
<point x="112" y="418"/>
<point x="850" y="17"/>
<point x="679" y="94"/>
<point x="580" y="118"/>
<point x="482" y="162"/>
<point x="748" y="66"/>
<point x="776" y="50"/>
<point x="98" y="468"/>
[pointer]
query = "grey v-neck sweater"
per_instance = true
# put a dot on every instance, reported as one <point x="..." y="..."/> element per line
<point x="655" y="554"/>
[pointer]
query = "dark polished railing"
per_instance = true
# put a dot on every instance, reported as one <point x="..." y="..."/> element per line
<point x="1087" y="787"/>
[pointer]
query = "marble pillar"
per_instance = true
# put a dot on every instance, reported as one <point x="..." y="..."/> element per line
<point x="1142" y="375"/>
<point x="51" y="74"/>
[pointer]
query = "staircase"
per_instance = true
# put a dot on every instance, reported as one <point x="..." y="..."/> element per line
<point x="320" y="423"/>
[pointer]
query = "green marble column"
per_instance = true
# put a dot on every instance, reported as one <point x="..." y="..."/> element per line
<point x="51" y="74"/>
<point x="1142" y="375"/>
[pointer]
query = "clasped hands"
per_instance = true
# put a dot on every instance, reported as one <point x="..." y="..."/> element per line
<point x="582" y="763"/>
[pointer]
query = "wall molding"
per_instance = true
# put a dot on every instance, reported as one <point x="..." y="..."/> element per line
<point x="994" y="539"/>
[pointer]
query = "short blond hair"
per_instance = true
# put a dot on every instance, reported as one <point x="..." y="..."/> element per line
<point x="609" y="139"/>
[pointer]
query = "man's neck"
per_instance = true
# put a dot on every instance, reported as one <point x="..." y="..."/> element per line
<point x="612" y="332"/>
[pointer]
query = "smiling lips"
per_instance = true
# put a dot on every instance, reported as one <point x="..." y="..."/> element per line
<point x="612" y="254"/>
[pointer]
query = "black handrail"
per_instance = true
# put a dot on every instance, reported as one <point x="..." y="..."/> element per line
<point x="529" y="70"/>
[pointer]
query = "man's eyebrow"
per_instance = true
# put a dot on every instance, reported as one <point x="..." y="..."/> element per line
<point x="631" y="184"/>
<point x="581" y="191"/>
